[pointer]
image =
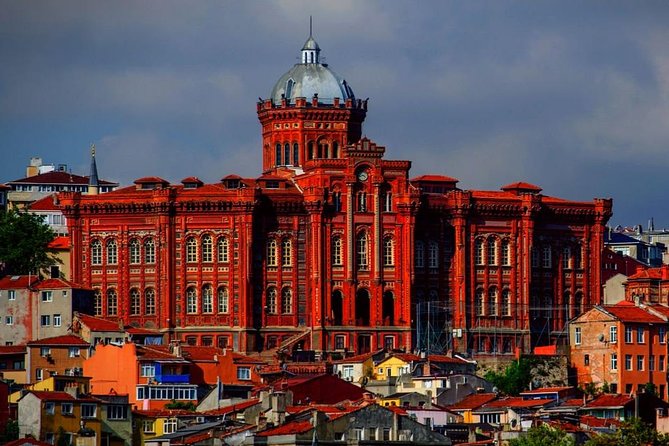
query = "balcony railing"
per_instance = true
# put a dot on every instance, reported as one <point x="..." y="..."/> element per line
<point x="173" y="379"/>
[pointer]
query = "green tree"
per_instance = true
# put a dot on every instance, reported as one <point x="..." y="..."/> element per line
<point x="543" y="436"/>
<point x="632" y="433"/>
<point x="11" y="432"/>
<point x="181" y="405"/>
<point x="24" y="239"/>
<point x="650" y="388"/>
<point x="514" y="379"/>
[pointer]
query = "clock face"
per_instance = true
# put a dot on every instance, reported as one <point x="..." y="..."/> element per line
<point x="362" y="175"/>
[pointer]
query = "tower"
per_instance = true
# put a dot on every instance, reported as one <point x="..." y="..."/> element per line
<point x="93" y="182"/>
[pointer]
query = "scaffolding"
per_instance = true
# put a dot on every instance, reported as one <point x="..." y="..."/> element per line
<point x="433" y="327"/>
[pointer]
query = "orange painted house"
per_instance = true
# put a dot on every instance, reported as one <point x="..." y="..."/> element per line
<point x="60" y="355"/>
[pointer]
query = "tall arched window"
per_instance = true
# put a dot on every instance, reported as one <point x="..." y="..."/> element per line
<point x="419" y="254"/>
<point x="336" y="251"/>
<point x="362" y="201"/>
<point x="191" y="250"/>
<point x="207" y="299"/>
<point x="361" y="251"/>
<point x="191" y="300"/>
<point x="287" y="301"/>
<point x="432" y="254"/>
<point x="546" y="261"/>
<point x="286" y="252"/>
<point x="335" y="149"/>
<point x="112" y="302"/>
<point x="223" y="302"/>
<point x="578" y="302"/>
<point x="96" y="252"/>
<point x="278" y="154"/>
<point x="97" y="302"/>
<point x="134" y="248"/>
<point x="310" y="150"/>
<point x="506" y="253"/>
<point x="271" y="252"/>
<point x="492" y="301"/>
<point x="286" y="154"/>
<point x="207" y="249"/>
<point x="492" y="251"/>
<point x="135" y="302"/>
<point x="578" y="257"/>
<point x="296" y="154"/>
<point x="506" y="303"/>
<point x="149" y="302"/>
<point x="112" y="252"/>
<point x="289" y="89"/>
<point x="566" y="257"/>
<point x="271" y="300"/>
<point x="149" y="251"/>
<point x="388" y="252"/>
<point x="223" y="250"/>
<point x="478" y="301"/>
<point x="478" y="251"/>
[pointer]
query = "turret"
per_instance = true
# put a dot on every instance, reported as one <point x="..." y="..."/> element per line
<point x="93" y="182"/>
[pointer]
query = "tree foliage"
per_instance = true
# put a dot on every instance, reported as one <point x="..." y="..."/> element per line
<point x="24" y="239"/>
<point x="181" y="405"/>
<point x="514" y="379"/>
<point x="543" y="436"/>
<point x="632" y="433"/>
<point x="10" y="431"/>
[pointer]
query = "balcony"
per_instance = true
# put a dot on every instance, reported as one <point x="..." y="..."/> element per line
<point x="172" y="379"/>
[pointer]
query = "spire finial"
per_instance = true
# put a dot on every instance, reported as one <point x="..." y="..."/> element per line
<point x="310" y="26"/>
<point x="93" y="149"/>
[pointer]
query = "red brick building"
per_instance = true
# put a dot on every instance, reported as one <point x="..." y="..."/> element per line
<point x="333" y="247"/>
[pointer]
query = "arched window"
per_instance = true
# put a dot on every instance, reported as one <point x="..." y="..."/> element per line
<point x="289" y="89"/>
<point x="388" y="252"/>
<point x="278" y="154"/>
<point x="271" y="252"/>
<point x="566" y="257"/>
<point x="336" y="251"/>
<point x="478" y="251"/>
<point x="506" y="253"/>
<point x="578" y="302"/>
<point x="112" y="302"/>
<point x="310" y="150"/>
<point x="149" y="302"/>
<point x="207" y="249"/>
<point x="361" y="250"/>
<point x="478" y="302"/>
<point x="135" y="302"/>
<point x="134" y="247"/>
<point x="191" y="300"/>
<point x="335" y="149"/>
<point x="287" y="301"/>
<point x="535" y="257"/>
<point x="286" y="154"/>
<point x="271" y="300"/>
<point x="546" y="260"/>
<point x="223" y="302"/>
<point x="492" y="251"/>
<point x="207" y="299"/>
<point x="149" y="251"/>
<point x="492" y="301"/>
<point x="223" y="250"/>
<point x="96" y="252"/>
<point x="97" y="302"/>
<point x="419" y="254"/>
<point x="286" y="252"/>
<point x="362" y="201"/>
<point x="191" y="250"/>
<point x="506" y="303"/>
<point x="112" y="252"/>
<point x="432" y="254"/>
<point x="296" y="154"/>
<point x="578" y="257"/>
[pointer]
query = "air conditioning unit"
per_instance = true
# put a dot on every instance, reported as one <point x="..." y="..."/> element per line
<point x="199" y="420"/>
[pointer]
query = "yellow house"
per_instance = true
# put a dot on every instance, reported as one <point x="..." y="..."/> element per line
<point x="395" y="365"/>
<point x="470" y="403"/>
<point x="153" y="423"/>
<point x="56" y="383"/>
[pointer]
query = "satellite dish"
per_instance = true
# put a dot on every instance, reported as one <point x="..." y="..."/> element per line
<point x="601" y="337"/>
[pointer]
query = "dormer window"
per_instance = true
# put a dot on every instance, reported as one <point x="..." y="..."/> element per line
<point x="272" y="184"/>
<point x="289" y="88"/>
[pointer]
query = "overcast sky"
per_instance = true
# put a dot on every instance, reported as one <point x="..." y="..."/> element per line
<point x="570" y="95"/>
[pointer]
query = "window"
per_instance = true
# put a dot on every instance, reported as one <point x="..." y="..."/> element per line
<point x="97" y="303"/>
<point x="112" y="252"/>
<point x="506" y="253"/>
<point x="50" y="408"/>
<point x="271" y="301"/>
<point x="45" y="351"/>
<point x="535" y="257"/>
<point x="478" y="303"/>
<point x="287" y="301"/>
<point x="271" y="253"/>
<point x="296" y="152"/>
<point x="191" y="301"/>
<point x="651" y="363"/>
<point x="336" y="251"/>
<point x="577" y="335"/>
<point x="361" y="251"/>
<point x="628" y="335"/>
<point x="662" y="335"/>
<point x="340" y="342"/>
<point x="578" y="258"/>
<point x="66" y="408"/>
<point x="614" y="361"/>
<point x="170" y="426"/>
<point x="419" y="255"/>
<point x="134" y="251"/>
<point x="387" y="202"/>
<point x="362" y="201"/>
<point x="278" y="154"/>
<point x="586" y="359"/>
<point x="492" y="251"/>
<point x="492" y="301"/>
<point x="9" y="320"/>
<point x="243" y="373"/>
<point x="628" y="362"/>
<point x="388" y="252"/>
<point x="112" y="302"/>
<point x="148" y="370"/>
<point x="286" y="252"/>
<point x="74" y="352"/>
<point x="149" y="302"/>
<point x="660" y="363"/>
<point x="45" y="320"/>
<point x="639" y="362"/>
<point x="57" y="320"/>
<point x="148" y="426"/>
<point x="88" y="410"/>
<point x="11" y="294"/>
<point x="47" y="296"/>
<point x="223" y="250"/>
<point x="613" y="334"/>
<point x="96" y="252"/>
<point x="640" y="335"/>
<point x="149" y="251"/>
<point x="546" y="260"/>
<point x="39" y="374"/>
<point x="191" y="250"/>
<point x="478" y="250"/>
<point x="207" y="249"/>
<point x="135" y="303"/>
<point x="506" y="303"/>
<point x="223" y="300"/>
<point x="566" y="257"/>
<point x="117" y="412"/>
<point x="389" y="342"/>
<point x="432" y="254"/>
<point x="207" y="299"/>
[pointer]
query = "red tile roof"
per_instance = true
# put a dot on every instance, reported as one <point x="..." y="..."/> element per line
<point x="515" y="403"/>
<point x="592" y="421"/>
<point x="192" y="180"/>
<point x="12" y="349"/>
<point x="609" y="400"/>
<point x="17" y="282"/>
<point x="62" y="242"/>
<point x="65" y="340"/>
<point x="521" y="186"/>
<point x="354" y="359"/>
<point x="546" y="390"/>
<point x="98" y="323"/>
<point x="162" y="413"/>
<point x="58" y="177"/>
<point x="445" y="359"/>
<point x="27" y="442"/>
<point x="47" y="203"/>
<point x="435" y="179"/>
<point x="473" y="401"/>
<point x="50" y="284"/>
<point x="52" y="396"/>
<point x="150" y="180"/>
<point x="650" y="273"/>
<point x="295" y="427"/>
<point x="628" y="312"/>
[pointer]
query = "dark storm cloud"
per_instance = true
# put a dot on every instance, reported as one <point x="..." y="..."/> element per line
<point x="572" y="96"/>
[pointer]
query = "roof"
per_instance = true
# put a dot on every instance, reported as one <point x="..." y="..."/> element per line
<point x="406" y="357"/>
<point x="515" y="403"/>
<point x="162" y="413"/>
<point x="648" y="273"/>
<point x="435" y="179"/>
<point x="547" y="390"/>
<point x="61" y="242"/>
<point x="291" y="428"/>
<point x="521" y="186"/>
<point x="628" y="312"/>
<point x="52" y="396"/>
<point x="311" y="79"/>
<point x="27" y="442"/>
<point x="355" y="359"/>
<point x="97" y="323"/>
<point x="609" y="400"/>
<point x="150" y="180"/>
<point x="65" y="340"/>
<point x="446" y="359"/>
<point x="233" y="408"/>
<point x="16" y="282"/>
<point x="59" y="177"/>
<point x="47" y="203"/>
<point x="53" y="283"/>
<point x="12" y="349"/>
<point x="473" y="401"/>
